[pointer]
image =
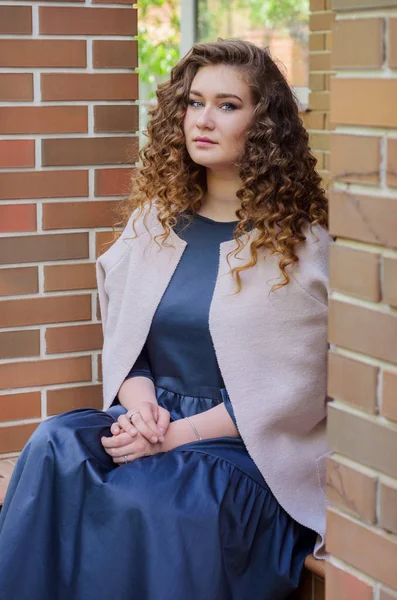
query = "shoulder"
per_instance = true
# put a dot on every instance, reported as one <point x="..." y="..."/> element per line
<point x="138" y="226"/>
<point x="311" y="272"/>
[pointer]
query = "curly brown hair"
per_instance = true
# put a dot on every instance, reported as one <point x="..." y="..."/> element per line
<point x="280" y="190"/>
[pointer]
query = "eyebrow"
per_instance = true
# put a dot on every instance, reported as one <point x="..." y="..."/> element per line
<point x="217" y="96"/>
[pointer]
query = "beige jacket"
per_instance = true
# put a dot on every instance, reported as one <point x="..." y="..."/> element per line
<point x="271" y="349"/>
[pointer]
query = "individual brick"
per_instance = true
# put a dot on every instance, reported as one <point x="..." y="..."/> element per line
<point x="319" y="100"/>
<point x="358" y="44"/>
<point x="76" y="338"/>
<point x="17" y="344"/>
<point x="99" y="367"/>
<point x="364" y="218"/>
<point x="89" y="86"/>
<point x="321" y="21"/>
<point x="56" y="20"/>
<point x="349" y="541"/>
<point x="69" y="277"/>
<point x="320" y="141"/>
<point x="317" y="83"/>
<point x="17" y="217"/>
<point x="364" y="102"/>
<point x="353" y="381"/>
<point x="111" y="2"/>
<point x="15" y="20"/>
<point x="115" y="119"/>
<point x="75" y="215"/>
<point x="36" y="248"/>
<point x="14" y="438"/>
<point x="36" y="311"/>
<point x="42" y="53"/>
<point x="45" y="372"/>
<point x="43" y="184"/>
<point x="320" y="61"/>
<point x="89" y="151"/>
<point x="316" y="42"/>
<point x="112" y="182"/>
<point x="362" y="439"/>
<point x="355" y="158"/>
<point x="362" y="4"/>
<point x="17" y="281"/>
<point x="113" y="54"/>
<point x="351" y="490"/>
<point x="389" y="395"/>
<point x="355" y="272"/>
<point x="390" y="281"/>
<point x="103" y="241"/>
<point x="388" y="504"/>
<point x="393" y="43"/>
<point x="343" y="585"/>
<point x="313" y="120"/>
<point x="16" y="153"/>
<point x="363" y="330"/>
<point x="14" y="407"/>
<point x="43" y="119"/>
<point x="87" y="396"/>
<point x="16" y="87"/>
<point x="392" y="162"/>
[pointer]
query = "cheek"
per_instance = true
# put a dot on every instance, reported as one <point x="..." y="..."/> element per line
<point x="187" y="122"/>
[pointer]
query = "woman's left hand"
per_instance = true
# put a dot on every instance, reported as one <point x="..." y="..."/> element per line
<point x="122" y="448"/>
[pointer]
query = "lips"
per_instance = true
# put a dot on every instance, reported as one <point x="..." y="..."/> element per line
<point x="204" y="140"/>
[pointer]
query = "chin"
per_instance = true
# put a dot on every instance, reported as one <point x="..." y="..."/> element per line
<point x="207" y="161"/>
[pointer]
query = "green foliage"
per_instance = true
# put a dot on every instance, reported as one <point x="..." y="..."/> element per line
<point x="157" y="56"/>
<point x="214" y="15"/>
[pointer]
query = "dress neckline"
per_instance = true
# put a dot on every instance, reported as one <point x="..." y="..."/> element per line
<point x="212" y="221"/>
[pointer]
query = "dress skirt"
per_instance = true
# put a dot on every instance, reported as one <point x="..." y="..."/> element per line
<point x="195" y="523"/>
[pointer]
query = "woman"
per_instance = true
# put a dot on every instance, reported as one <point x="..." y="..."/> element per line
<point x="204" y="480"/>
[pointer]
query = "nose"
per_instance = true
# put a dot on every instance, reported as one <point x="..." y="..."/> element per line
<point x="205" y="119"/>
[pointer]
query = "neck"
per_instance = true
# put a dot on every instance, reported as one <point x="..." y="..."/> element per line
<point x="220" y="201"/>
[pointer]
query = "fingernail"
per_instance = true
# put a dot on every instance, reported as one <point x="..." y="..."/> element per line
<point x="132" y="431"/>
<point x="161" y="429"/>
<point x="154" y="439"/>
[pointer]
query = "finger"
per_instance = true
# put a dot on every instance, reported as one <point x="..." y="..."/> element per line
<point x="149" y="413"/>
<point x="115" y="429"/>
<point x="126" y="425"/>
<point x="121" y="460"/>
<point x="144" y="429"/>
<point x="116" y="441"/>
<point x="164" y="420"/>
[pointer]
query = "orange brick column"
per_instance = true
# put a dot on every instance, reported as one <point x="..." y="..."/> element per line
<point x="362" y="475"/>
<point x="67" y="119"/>
<point x="316" y="119"/>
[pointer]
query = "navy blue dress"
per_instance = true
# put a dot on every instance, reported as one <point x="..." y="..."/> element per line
<point x="195" y="523"/>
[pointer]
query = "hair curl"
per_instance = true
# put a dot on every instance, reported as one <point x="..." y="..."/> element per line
<point x="280" y="190"/>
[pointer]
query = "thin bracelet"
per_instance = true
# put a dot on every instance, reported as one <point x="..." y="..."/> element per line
<point x="198" y="436"/>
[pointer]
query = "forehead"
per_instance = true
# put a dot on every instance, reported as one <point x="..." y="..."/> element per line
<point x="220" y="79"/>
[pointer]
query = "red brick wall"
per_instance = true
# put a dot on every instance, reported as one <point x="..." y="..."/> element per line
<point x="68" y="116"/>
<point x="362" y="430"/>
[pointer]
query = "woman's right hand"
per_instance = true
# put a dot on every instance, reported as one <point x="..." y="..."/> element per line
<point x="149" y="419"/>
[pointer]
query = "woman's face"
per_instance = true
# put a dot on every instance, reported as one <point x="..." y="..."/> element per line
<point x="219" y="113"/>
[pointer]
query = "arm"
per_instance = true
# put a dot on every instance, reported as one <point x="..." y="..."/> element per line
<point x="212" y="423"/>
<point x="138" y="386"/>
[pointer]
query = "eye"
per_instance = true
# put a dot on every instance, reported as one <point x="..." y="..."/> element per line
<point x="194" y="103"/>
<point x="228" y="106"/>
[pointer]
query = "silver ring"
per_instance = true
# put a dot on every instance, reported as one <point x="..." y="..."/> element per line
<point x="125" y="460"/>
<point x="130" y="415"/>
